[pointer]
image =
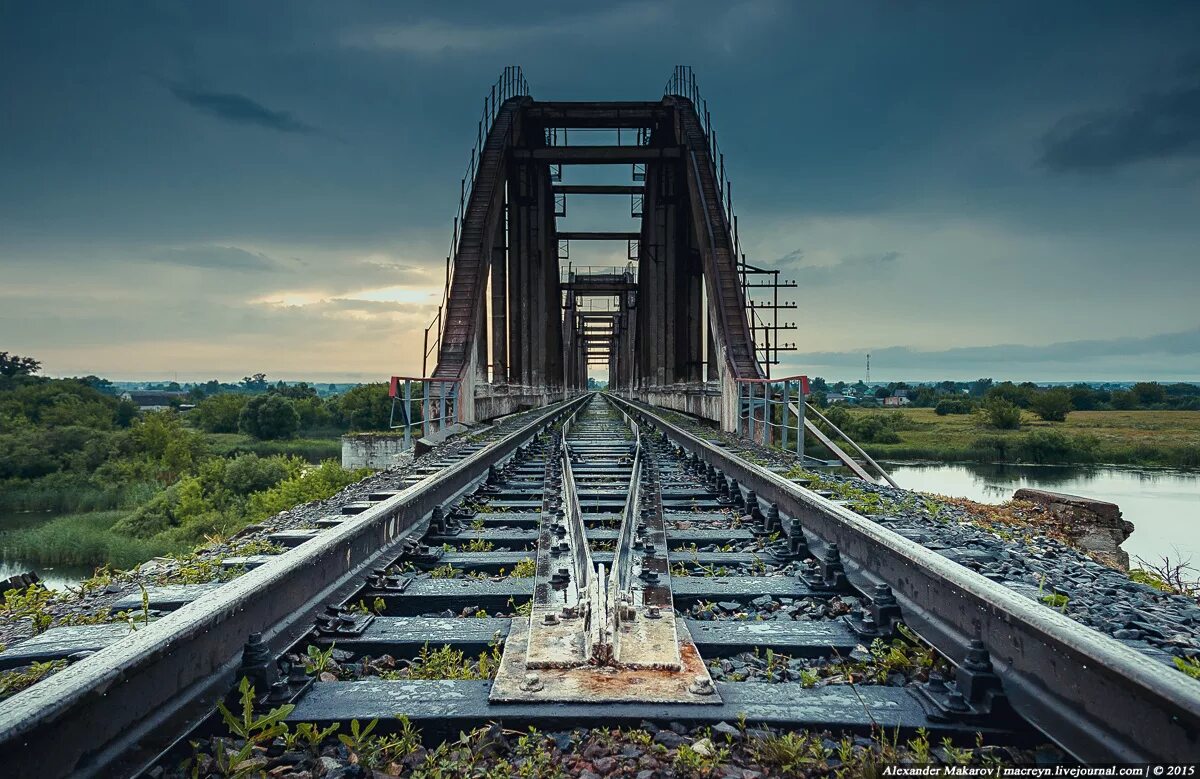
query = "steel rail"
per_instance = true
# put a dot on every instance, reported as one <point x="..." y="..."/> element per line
<point x="623" y="556"/>
<point x="1098" y="699"/>
<point x="115" y="711"/>
<point x="581" y="553"/>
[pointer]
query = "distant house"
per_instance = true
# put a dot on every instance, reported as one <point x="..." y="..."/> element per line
<point x="835" y="397"/>
<point x="897" y="399"/>
<point x="152" y="400"/>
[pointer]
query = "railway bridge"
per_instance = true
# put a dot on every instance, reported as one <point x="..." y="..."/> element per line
<point x="676" y="325"/>
<point x="640" y="569"/>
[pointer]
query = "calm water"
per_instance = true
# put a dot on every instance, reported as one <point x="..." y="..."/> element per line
<point x="1164" y="506"/>
<point x="57" y="576"/>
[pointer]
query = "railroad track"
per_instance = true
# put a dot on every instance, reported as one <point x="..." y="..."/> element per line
<point x="600" y="565"/>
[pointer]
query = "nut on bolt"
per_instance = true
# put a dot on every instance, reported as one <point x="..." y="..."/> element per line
<point x="702" y="685"/>
<point x="532" y="683"/>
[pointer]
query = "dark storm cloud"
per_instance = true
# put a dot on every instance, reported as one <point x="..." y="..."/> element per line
<point x="240" y="109"/>
<point x="1158" y="125"/>
<point x="891" y="140"/>
<point x="217" y="258"/>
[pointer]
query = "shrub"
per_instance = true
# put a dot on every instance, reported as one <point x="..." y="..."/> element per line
<point x="219" y="413"/>
<point x="989" y="449"/>
<point x="953" y="406"/>
<point x="1001" y="414"/>
<point x="316" y="484"/>
<point x="250" y="473"/>
<point x="267" y="417"/>
<point x="1051" y="405"/>
<point x="873" y="429"/>
<point x="1048" y="446"/>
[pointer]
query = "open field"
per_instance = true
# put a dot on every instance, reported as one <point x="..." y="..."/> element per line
<point x="1162" y="438"/>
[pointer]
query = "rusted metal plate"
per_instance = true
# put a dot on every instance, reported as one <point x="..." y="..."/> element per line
<point x="515" y="683"/>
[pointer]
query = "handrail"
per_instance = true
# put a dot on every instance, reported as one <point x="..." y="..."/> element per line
<point x="683" y="84"/>
<point x="432" y="419"/>
<point x="510" y="84"/>
<point x="857" y="448"/>
<point x="756" y="409"/>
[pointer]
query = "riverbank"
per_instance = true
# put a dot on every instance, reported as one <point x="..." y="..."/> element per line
<point x="1161" y="503"/>
<point x="1141" y="438"/>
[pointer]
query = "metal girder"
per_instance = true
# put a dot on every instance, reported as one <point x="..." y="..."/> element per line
<point x="609" y="235"/>
<point x="629" y="114"/>
<point x="597" y="155"/>
<point x="598" y="189"/>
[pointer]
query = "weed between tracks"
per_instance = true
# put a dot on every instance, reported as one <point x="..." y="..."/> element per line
<point x="266" y="745"/>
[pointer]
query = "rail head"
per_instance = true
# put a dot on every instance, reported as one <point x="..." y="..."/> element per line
<point x="1099" y="699"/>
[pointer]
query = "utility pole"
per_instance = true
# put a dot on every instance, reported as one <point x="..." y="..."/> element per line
<point x="868" y="379"/>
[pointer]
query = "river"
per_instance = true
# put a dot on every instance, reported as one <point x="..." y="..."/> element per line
<point x="1163" y="505"/>
<point x="55" y="576"/>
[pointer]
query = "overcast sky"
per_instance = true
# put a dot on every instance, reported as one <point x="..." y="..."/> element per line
<point x="962" y="189"/>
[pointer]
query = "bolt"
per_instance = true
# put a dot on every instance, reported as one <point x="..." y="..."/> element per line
<point x="956" y="702"/>
<point x="702" y="685"/>
<point x="532" y="683"/>
<point x="550" y="619"/>
<point x="654" y="612"/>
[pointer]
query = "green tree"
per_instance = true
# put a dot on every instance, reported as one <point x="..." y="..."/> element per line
<point x="219" y="413"/>
<point x="294" y="391"/>
<point x="268" y="417"/>
<point x="1051" y="405"/>
<point x="13" y="365"/>
<point x="1123" y="400"/>
<point x="1083" y="397"/>
<point x="1148" y="392"/>
<point x="980" y="387"/>
<point x="365" y="407"/>
<point x="255" y="383"/>
<point x="1006" y="390"/>
<point x="1001" y="414"/>
<point x="313" y="413"/>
